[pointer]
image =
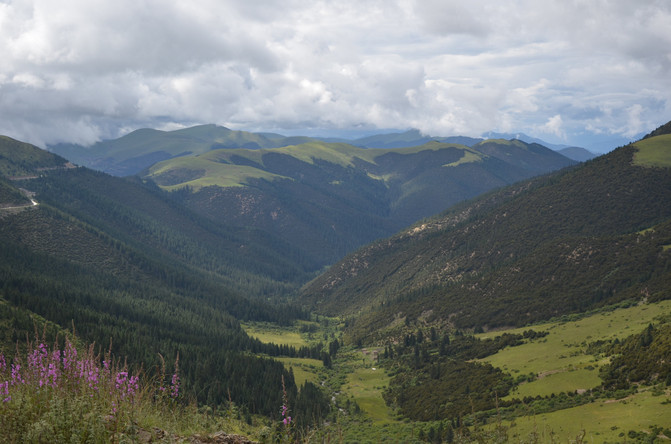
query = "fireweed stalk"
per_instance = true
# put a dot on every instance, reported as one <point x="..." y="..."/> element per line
<point x="40" y="379"/>
<point x="286" y="419"/>
<point x="173" y="390"/>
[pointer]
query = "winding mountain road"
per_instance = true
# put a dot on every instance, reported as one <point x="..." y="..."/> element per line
<point x="33" y="203"/>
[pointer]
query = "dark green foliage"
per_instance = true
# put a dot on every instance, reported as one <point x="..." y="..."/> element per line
<point x="121" y="262"/>
<point x="328" y="209"/>
<point x="10" y="195"/>
<point x="447" y="388"/>
<point x="22" y="159"/>
<point x="664" y="129"/>
<point x="469" y="347"/>
<point x="310" y="407"/>
<point x="557" y="244"/>
<point x="141" y="216"/>
<point x="645" y="357"/>
<point x="320" y="219"/>
<point x="437" y="379"/>
<point x="143" y="320"/>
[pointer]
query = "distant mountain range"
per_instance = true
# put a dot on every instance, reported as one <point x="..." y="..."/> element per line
<point x="563" y="243"/>
<point x="329" y="198"/>
<point x="140" y="149"/>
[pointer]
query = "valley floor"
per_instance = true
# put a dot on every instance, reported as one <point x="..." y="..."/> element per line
<point x="558" y="363"/>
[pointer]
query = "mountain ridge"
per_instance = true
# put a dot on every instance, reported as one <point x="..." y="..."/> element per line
<point x="466" y="266"/>
<point x="329" y="198"/>
<point x="139" y="149"/>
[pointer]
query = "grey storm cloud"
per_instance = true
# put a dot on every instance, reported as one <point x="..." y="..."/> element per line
<point x="82" y="70"/>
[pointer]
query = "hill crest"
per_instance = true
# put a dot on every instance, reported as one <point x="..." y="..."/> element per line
<point x="555" y="244"/>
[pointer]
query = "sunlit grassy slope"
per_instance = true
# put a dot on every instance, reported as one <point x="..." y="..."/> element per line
<point x="560" y="360"/>
<point x="200" y="171"/>
<point x="603" y="421"/>
<point x="655" y="151"/>
<point x="305" y="369"/>
<point x="276" y="335"/>
<point x="365" y="385"/>
<point x="235" y="167"/>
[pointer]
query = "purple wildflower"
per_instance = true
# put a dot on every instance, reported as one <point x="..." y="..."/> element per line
<point x="126" y="387"/>
<point x="286" y="418"/>
<point x="4" y="391"/>
<point x="69" y="356"/>
<point x="16" y="375"/>
<point x="174" y="392"/>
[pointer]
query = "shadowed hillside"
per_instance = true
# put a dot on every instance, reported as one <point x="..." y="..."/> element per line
<point x="584" y="237"/>
<point x="329" y="198"/>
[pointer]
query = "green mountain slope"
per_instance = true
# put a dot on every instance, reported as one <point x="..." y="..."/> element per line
<point x="18" y="161"/>
<point x="414" y="138"/>
<point x="121" y="262"/>
<point x="562" y="243"/>
<point x="577" y="153"/>
<point x="328" y="198"/>
<point x="10" y="195"/>
<point x="22" y="159"/>
<point x="140" y="149"/>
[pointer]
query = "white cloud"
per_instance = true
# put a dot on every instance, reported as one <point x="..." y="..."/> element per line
<point x="554" y="126"/>
<point x="80" y="70"/>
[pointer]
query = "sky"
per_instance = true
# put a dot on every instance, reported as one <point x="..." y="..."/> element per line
<point x="575" y="72"/>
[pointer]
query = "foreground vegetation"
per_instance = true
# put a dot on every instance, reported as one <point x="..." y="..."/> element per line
<point x="72" y="395"/>
<point x="597" y="378"/>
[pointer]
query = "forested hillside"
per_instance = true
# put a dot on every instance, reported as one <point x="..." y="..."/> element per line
<point x="22" y="159"/>
<point x="328" y="198"/>
<point x="584" y="237"/>
<point x="121" y="263"/>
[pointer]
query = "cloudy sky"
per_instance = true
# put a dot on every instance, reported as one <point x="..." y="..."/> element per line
<point x="584" y="72"/>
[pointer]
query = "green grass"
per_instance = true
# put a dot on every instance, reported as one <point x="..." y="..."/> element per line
<point x="365" y="384"/>
<point x="564" y="348"/>
<point x="514" y="142"/>
<point x="206" y="173"/>
<point x="337" y="153"/>
<point x="305" y="370"/>
<point x="468" y="157"/>
<point x="654" y="152"/>
<point x="563" y="381"/>
<point x="602" y="421"/>
<point x="560" y="358"/>
<point x="269" y="333"/>
<point x="216" y="167"/>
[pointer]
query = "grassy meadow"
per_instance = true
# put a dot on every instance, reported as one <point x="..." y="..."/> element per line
<point x="365" y="385"/>
<point x="559" y="362"/>
<point x="654" y="152"/>
<point x="305" y="369"/>
<point x="602" y="421"/>
<point x="269" y="333"/>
